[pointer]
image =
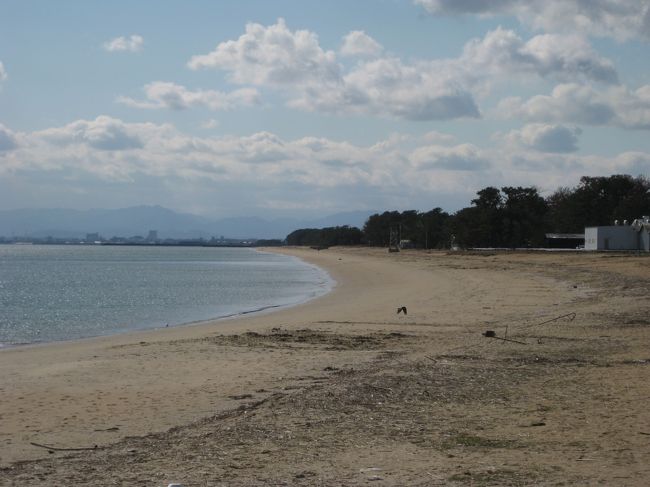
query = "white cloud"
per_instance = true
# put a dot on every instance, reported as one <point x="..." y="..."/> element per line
<point x="387" y="87"/>
<point x="3" y="72"/>
<point x="358" y="43"/>
<point x="574" y="103"/>
<point x="131" y="44"/>
<point x="621" y="19"/>
<point x="272" y="56"/>
<point x="546" y="138"/>
<point x="312" y="79"/>
<point x="160" y="94"/>
<point x="104" y="133"/>
<point x="502" y="52"/>
<point x="109" y="149"/>
<point x="264" y="169"/>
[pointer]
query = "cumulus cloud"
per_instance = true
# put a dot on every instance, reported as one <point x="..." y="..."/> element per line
<point x="267" y="170"/>
<point x="312" y="79"/>
<point x="387" y="87"/>
<point x="272" y="56"/>
<point x="564" y="57"/>
<point x="621" y="19"/>
<point x="160" y="94"/>
<point x="546" y="138"/>
<point x="132" y="43"/>
<point x="575" y="103"/>
<point x="358" y="43"/>
<point x="113" y="150"/>
<point x="104" y="133"/>
<point x="3" y="72"/>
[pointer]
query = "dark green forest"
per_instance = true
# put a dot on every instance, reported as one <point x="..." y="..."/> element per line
<point x="508" y="217"/>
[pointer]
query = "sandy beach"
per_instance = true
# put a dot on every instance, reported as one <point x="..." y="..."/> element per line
<point x="343" y="390"/>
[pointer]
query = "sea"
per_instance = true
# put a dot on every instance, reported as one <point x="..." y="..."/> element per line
<point x="54" y="293"/>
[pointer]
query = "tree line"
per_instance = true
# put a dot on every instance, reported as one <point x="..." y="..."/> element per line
<point x="506" y="217"/>
<point x="326" y="237"/>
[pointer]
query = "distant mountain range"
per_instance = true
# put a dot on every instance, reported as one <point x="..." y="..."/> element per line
<point x="138" y="220"/>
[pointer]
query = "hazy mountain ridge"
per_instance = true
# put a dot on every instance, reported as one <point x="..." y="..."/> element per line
<point x="138" y="220"/>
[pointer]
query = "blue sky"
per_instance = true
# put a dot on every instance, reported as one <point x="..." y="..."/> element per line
<point x="306" y="108"/>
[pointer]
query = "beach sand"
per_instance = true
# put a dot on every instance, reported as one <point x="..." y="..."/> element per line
<point x="344" y="391"/>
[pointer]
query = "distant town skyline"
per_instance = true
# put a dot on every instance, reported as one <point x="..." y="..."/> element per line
<point x="305" y="109"/>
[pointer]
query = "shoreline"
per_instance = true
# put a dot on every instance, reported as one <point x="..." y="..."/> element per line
<point x="328" y="283"/>
<point x="342" y="390"/>
<point x="22" y="364"/>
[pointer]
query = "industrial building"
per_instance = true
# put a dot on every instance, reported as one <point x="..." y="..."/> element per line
<point x="634" y="236"/>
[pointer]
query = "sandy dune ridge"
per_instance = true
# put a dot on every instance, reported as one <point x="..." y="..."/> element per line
<point x="344" y="391"/>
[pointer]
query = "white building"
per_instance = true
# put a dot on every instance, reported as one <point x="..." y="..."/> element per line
<point x="620" y="237"/>
<point x="642" y="226"/>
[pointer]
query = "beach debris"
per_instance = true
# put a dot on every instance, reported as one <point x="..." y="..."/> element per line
<point x="54" y="448"/>
<point x="304" y="474"/>
<point x="569" y="316"/>
<point x="402" y="309"/>
<point x="492" y="334"/>
<point x="175" y="485"/>
<point x="238" y="397"/>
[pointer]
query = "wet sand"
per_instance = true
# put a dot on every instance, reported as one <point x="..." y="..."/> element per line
<point x="343" y="390"/>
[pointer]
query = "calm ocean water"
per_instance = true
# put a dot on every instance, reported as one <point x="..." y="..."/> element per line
<point x="52" y="293"/>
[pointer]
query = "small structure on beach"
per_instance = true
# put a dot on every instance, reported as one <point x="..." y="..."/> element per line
<point x="634" y="236"/>
<point x="394" y="238"/>
<point x="565" y="240"/>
